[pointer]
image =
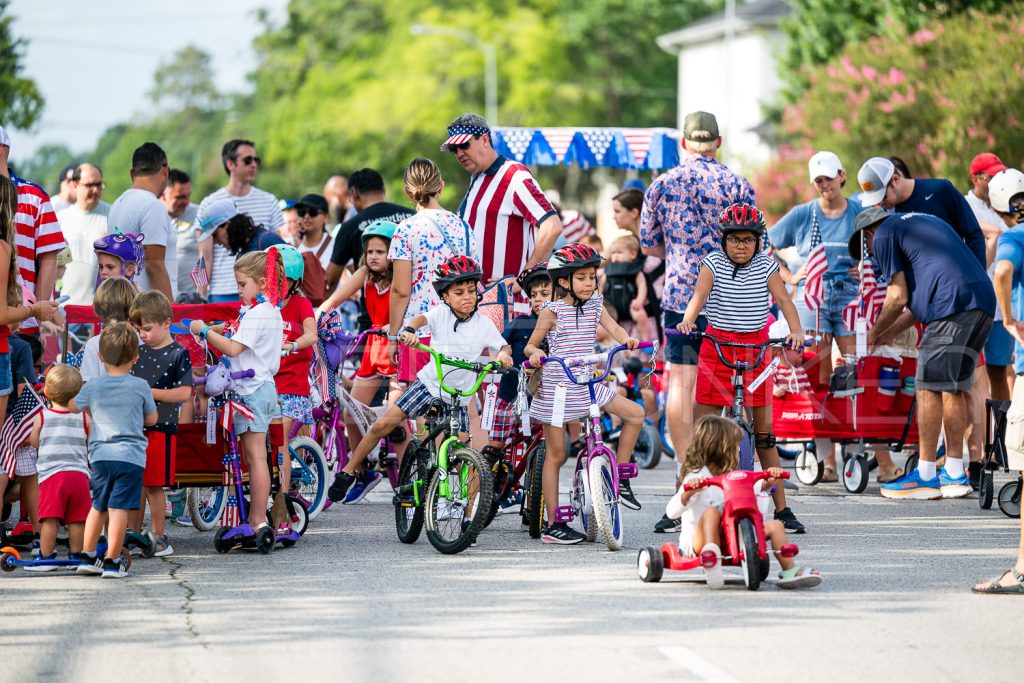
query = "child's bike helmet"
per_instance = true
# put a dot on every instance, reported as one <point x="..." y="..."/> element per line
<point x="124" y="246"/>
<point x="294" y="266"/>
<point x="456" y="269"/>
<point x="382" y="229"/>
<point x="742" y="218"/>
<point x="568" y="259"/>
<point x="531" y="275"/>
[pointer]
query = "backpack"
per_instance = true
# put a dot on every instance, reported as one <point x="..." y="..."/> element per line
<point x="620" y="286"/>
<point x="314" y="277"/>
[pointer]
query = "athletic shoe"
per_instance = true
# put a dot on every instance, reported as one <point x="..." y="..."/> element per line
<point x="183" y="520"/>
<point x="626" y="495"/>
<point x="954" y="487"/>
<point x="511" y="504"/>
<point x="89" y="565"/>
<point x="42" y="567"/>
<point x="789" y="521"/>
<point x="115" y="569"/>
<point x="163" y="548"/>
<point x="713" y="575"/>
<point x="561" y="534"/>
<point x="339" y="489"/>
<point x="668" y="526"/>
<point x="362" y="486"/>
<point x="913" y="487"/>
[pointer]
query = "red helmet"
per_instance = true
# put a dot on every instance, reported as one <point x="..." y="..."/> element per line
<point x="528" y="276"/>
<point x="571" y="257"/>
<point x="742" y="218"/>
<point x="456" y="269"/>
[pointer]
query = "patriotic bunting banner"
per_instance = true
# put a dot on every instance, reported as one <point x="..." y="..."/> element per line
<point x="633" y="148"/>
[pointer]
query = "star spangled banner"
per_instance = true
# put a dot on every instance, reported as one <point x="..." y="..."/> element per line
<point x="634" y="148"/>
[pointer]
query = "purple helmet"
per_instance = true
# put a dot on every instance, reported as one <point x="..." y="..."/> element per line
<point x="125" y="246"/>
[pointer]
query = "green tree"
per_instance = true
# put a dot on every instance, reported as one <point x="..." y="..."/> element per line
<point x="46" y="164"/>
<point x="185" y="83"/>
<point x="21" y="103"/>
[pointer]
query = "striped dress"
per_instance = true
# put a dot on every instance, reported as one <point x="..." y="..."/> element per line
<point x="571" y="337"/>
<point x="739" y="299"/>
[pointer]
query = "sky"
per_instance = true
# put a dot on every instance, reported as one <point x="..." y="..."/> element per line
<point x="94" y="60"/>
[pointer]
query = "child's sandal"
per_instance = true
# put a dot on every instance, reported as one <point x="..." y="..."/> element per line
<point x="799" y="577"/>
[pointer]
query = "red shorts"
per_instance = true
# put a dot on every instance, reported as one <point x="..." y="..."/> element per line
<point x="714" y="378"/>
<point x="161" y="458"/>
<point x="375" y="361"/>
<point x="411" y="361"/>
<point x="65" y="496"/>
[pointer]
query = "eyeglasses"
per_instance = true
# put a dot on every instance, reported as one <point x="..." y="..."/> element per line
<point x="464" y="146"/>
<point x="737" y="241"/>
<point x="93" y="186"/>
<point x="303" y="212"/>
<point x="251" y="160"/>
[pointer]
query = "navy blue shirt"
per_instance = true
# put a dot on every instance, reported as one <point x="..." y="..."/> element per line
<point x="942" y="276"/>
<point x="940" y="199"/>
<point x="517" y="334"/>
<point x="263" y="240"/>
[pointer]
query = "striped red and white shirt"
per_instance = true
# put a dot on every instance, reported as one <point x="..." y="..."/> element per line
<point x="502" y="206"/>
<point x="575" y="226"/>
<point x="38" y="233"/>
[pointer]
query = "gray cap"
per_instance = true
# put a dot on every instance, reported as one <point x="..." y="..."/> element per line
<point x="700" y="126"/>
<point x="873" y="178"/>
<point x="865" y="219"/>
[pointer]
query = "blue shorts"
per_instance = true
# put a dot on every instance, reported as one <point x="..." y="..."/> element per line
<point x="829" y="318"/>
<point x="115" y="485"/>
<point x="6" y="378"/>
<point x="298" y="408"/>
<point x="417" y="398"/>
<point x="999" y="347"/>
<point x="680" y="349"/>
<point x="263" y="404"/>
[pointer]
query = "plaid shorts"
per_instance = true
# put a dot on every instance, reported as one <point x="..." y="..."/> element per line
<point x="25" y="462"/>
<point x="298" y="408"/>
<point x="416" y="399"/>
<point x="506" y="420"/>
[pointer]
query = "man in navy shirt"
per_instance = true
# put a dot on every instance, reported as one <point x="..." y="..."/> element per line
<point x="931" y="272"/>
<point x="882" y="185"/>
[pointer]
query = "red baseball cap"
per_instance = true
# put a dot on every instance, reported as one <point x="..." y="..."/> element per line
<point x="987" y="163"/>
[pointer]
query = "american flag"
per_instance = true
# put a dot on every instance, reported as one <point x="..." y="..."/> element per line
<point x="17" y="427"/>
<point x="869" y="299"/>
<point x="817" y="264"/>
<point x="199" y="275"/>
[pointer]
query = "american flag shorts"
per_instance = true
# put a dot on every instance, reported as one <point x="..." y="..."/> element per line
<point x="506" y="420"/>
<point x="416" y="399"/>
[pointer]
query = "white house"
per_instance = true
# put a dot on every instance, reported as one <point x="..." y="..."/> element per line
<point x="727" y="66"/>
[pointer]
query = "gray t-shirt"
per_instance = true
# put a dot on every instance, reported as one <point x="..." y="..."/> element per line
<point x="140" y="212"/>
<point x="117" y="404"/>
<point x="187" y="248"/>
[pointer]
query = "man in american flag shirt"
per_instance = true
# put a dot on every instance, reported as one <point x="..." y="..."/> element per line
<point x="514" y="224"/>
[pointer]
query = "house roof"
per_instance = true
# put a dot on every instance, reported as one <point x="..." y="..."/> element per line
<point x="749" y="15"/>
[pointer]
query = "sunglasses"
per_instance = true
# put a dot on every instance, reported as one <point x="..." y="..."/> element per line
<point x="464" y="146"/>
<point x="303" y="212"/>
<point x="251" y="160"/>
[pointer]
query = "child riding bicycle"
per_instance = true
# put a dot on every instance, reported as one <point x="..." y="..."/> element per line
<point x="733" y="289"/>
<point x="459" y="331"/>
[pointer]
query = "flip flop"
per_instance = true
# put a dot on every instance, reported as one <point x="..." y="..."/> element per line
<point x="830" y="476"/>
<point x="889" y="478"/>
<point x="994" y="588"/>
<point x="798" y="577"/>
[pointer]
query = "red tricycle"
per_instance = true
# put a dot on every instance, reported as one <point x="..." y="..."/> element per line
<point x="742" y="535"/>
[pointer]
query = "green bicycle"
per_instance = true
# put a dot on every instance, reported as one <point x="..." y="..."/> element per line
<point x="447" y="486"/>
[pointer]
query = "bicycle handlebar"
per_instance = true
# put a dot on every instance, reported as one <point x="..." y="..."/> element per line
<point x="590" y="359"/>
<point x="756" y="362"/>
<point x="717" y="481"/>
<point x="481" y="369"/>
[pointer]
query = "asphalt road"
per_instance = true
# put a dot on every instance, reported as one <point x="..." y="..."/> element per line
<point x="351" y="603"/>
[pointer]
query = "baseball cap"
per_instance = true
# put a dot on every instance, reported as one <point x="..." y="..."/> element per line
<point x="313" y="201"/>
<point x="5" y="139"/>
<point x="865" y="219"/>
<point x="873" y="177"/>
<point x="1003" y="187"/>
<point x="987" y="163"/>
<point x="67" y="172"/>
<point x="219" y="213"/>
<point x="824" y="164"/>
<point x="700" y="126"/>
<point x="634" y="184"/>
<point x="464" y="129"/>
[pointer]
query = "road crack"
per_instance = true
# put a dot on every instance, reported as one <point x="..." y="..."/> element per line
<point x="188" y="603"/>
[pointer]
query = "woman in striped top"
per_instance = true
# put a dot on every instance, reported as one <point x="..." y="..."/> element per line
<point x="733" y="289"/>
<point x="569" y="323"/>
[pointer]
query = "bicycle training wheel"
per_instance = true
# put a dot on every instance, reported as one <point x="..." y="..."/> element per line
<point x="409" y="511"/>
<point x="606" y="507"/>
<point x="206" y="505"/>
<point x="309" y="474"/>
<point x="454" y="521"/>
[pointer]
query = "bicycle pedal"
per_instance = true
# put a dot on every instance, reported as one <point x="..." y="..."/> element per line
<point x="564" y="514"/>
<point x="628" y="470"/>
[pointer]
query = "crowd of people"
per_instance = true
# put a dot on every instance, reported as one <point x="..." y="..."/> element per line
<point x="693" y="253"/>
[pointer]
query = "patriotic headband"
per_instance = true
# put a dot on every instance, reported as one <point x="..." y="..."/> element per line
<point x="458" y="135"/>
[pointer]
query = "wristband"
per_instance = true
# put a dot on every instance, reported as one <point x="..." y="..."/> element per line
<point x="203" y="332"/>
<point x="295" y="347"/>
<point x="409" y="329"/>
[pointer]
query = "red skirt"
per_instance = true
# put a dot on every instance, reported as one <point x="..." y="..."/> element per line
<point x="714" y="378"/>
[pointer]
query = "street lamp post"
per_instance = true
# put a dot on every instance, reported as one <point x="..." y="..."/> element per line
<point x="490" y="63"/>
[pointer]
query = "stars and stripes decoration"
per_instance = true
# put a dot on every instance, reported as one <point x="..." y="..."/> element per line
<point x="17" y="427"/>
<point x="817" y="264"/>
<point x="199" y="275"/>
<point x="870" y="298"/>
<point x="635" y="148"/>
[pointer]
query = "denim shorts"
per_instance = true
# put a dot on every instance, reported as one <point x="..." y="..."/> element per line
<point x="829" y="318"/>
<point x="680" y="349"/>
<point x="263" y="404"/>
<point x="6" y="378"/>
<point x="115" y="485"/>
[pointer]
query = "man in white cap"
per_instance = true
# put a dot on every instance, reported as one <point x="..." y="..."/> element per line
<point x="1006" y="194"/>
<point x="40" y="236"/>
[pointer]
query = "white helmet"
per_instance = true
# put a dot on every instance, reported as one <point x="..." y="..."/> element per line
<point x="1003" y="187"/>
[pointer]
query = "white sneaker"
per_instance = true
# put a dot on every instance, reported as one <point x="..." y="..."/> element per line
<point x="713" y="574"/>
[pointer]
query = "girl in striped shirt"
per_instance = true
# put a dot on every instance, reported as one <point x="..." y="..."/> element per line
<point x="733" y="288"/>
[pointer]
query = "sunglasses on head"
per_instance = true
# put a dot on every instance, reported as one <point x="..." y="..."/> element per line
<point x="302" y="212"/>
<point x="251" y="160"/>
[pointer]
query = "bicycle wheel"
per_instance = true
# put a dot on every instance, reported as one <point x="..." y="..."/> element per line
<point x="582" y="501"/>
<point x="605" y="501"/>
<point x="647" y="452"/>
<point x="408" y="515"/>
<point x="454" y="521"/>
<point x="309" y="474"/>
<point x="299" y="518"/>
<point x="533" y="504"/>
<point x="206" y="505"/>
<point x="750" y="563"/>
<point x="666" y="437"/>
<point x="747" y="451"/>
<point x="501" y="476"/>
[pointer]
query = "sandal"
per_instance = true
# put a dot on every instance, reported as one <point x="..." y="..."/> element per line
<point x="891" y="476"/>
<point x="995" y="588"/>
<point x="830" y="476"/>
<point x="799" y="577"/>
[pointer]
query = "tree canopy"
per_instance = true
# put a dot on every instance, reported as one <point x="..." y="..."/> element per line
<point x="21" y="103"/>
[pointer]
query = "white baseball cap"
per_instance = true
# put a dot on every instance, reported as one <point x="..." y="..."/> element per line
<point x="5" y="139"/>
<point x="779" y="328"/>
<point x="824" y="164"/>
<point x="873" y="178"/>
<point x="1003" y="187"/>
